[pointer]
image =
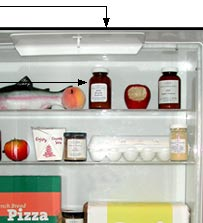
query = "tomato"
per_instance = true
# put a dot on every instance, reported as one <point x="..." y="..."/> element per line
<point x="16" y="149"/>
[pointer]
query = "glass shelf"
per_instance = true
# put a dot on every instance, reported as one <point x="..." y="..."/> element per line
<point x="88" y="163"/>
<point x="95" y="112"/>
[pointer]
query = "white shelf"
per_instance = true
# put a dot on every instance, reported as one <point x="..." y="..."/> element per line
<point x="95" y="112"/>
<point x="88" y="163"/>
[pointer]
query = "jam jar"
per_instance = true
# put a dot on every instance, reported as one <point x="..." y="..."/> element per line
<point x="100" y="89"/>
<point x="75" y="146"/>
<point x="72" y="217"/>
<point x="169" y="87"/>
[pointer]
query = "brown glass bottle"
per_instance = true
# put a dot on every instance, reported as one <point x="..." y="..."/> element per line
<point x="169" y="88"/>
<point x="100" y="89"/>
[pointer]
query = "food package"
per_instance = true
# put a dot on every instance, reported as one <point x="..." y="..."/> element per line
<point x="30" y="199"/>
<point x="49" y="143"/>
<point x="114" y="212"/>
<point x="131" y="148"/>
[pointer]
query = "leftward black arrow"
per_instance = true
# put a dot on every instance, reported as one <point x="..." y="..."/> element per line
<point x="79" y="82"/>
<point x="106" y="19"/>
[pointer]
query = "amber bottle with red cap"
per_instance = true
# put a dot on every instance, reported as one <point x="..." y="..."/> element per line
<point x="100" y="89"/>
<point x="169" y="87"/>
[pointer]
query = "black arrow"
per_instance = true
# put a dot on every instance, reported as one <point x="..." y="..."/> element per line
<point x="106" y="20"/>
<point x="79" y="82"/>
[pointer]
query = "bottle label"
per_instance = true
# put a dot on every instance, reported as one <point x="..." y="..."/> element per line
<point x="178" y="146"/>
<point x="98" y="92"/>
<point x="76" y="148"/>
<point x="74" y="220"/>
<point x="168" y="92"/>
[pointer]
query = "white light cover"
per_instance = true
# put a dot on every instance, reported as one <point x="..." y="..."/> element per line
<point x="34" y="44"/>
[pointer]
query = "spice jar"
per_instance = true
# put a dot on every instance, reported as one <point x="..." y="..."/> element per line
<point x="100" y="89"/>
<point x="73" y="217"/>
<point x="178" y="142"/>
<point x="169" y="87"/>
<point x="75" y="146"/>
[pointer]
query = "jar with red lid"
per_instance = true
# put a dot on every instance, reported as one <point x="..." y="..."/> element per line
<point x="100" y="89"/>
<point x="169" y="88"/>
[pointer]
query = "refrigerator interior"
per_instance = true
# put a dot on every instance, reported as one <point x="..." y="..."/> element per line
<point x="139" y="181"/>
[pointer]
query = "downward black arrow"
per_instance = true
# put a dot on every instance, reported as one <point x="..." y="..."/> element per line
<point x="106" y="20"/>
<point x="79" y="82"/>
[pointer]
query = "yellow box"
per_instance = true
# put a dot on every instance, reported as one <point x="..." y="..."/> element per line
<point x="130" y="212"/>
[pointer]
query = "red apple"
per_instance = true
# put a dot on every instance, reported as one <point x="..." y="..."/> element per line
<point x="137" y="96"/>
<point x="73" y="98"/>
<point x="16" y="149"/>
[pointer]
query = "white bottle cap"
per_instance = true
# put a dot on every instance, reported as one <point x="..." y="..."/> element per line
<point x="178" y="126"/>
<point x="100" y="69"/>
<point x="169" y="69"/>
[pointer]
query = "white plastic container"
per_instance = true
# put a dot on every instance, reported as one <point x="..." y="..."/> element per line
<point x="49" y="143"/>
<point x="128" y="148"/>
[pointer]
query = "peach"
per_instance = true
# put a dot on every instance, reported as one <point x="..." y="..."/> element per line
<point x="73" y="98"/>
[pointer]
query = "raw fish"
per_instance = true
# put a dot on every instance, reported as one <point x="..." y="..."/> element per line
<point x="23" y="95"/>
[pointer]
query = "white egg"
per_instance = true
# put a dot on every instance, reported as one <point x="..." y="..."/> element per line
<point x="131" y="154"/>
<point x="147" y="154"/>
<point x="97" y="156"/>
<point x="114" y="155"/>
<point x="164" y="154"/>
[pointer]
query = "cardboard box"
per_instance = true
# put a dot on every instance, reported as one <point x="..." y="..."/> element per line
<point x="124" y="212"/>
<point x="30" y="199"/>
<point x="49" y="143"/>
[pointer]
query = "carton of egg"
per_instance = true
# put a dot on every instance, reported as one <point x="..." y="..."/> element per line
<point x="129" y="148"/>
